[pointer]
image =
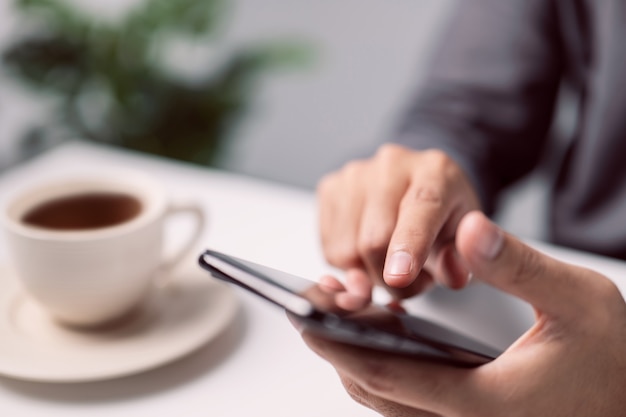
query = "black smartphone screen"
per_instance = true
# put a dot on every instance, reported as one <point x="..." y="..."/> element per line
<point x="374" y="326"/>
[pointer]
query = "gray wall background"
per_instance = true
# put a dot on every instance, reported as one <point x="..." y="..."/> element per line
<point x="369" y="55"/>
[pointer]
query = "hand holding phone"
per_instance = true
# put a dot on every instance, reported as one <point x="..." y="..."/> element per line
<point x="312" y="306"/>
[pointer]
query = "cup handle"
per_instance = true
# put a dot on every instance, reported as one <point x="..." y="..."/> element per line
<point x="200" y="220"/>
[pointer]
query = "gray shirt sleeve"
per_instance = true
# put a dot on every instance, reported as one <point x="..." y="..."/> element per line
<point x="490" y="95"/>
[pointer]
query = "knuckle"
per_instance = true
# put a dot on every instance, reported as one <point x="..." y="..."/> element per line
<point x="354" y="169"/>
<point x="341" y="255"/>
<point x="435" y="190"/>
<point x="424" y="194"/>
<point x="390" y="152"/>
<point x="441" y="162"/>
<point x="373" y="243"/>
<point x="346" y="175"/>
<point x="530" y="265"/>
<point x="437" y="158"/>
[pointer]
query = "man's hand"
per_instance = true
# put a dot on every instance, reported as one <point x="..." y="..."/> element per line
<point x="389" y="214"/>
<point x="571" y="363"/>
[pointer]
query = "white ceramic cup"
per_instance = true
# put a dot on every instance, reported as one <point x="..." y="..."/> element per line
<point x="92" y="276"/>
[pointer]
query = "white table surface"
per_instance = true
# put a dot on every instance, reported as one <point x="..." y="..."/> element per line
<point x="259" y="366"/>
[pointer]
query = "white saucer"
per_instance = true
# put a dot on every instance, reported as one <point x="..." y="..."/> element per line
<point x="177" y="319"/>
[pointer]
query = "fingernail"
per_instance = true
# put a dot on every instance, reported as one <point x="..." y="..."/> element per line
<point x="399" y="263"/>
<point x="490" y="242"/>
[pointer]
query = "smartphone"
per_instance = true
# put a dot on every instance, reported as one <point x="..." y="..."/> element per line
<point x="379" y="327"/>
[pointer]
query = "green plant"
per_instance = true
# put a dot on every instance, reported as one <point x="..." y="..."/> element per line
<point x="111" y="87"/>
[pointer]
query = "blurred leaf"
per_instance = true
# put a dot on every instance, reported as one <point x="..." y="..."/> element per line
<point x="185" y="16"/>
<point x="144" y="107"/>
<point x="48" y="62"/>
<point x="57" y="15"/>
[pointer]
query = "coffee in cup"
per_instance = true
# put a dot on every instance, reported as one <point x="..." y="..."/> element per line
<point x="91" y="210"/>
<point x="89" y="249"/>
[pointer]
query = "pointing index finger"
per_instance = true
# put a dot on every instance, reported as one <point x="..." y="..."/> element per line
<point x="423" y="212"/>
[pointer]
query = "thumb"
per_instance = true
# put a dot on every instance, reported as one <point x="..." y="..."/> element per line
<point x="503" y="261"/>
